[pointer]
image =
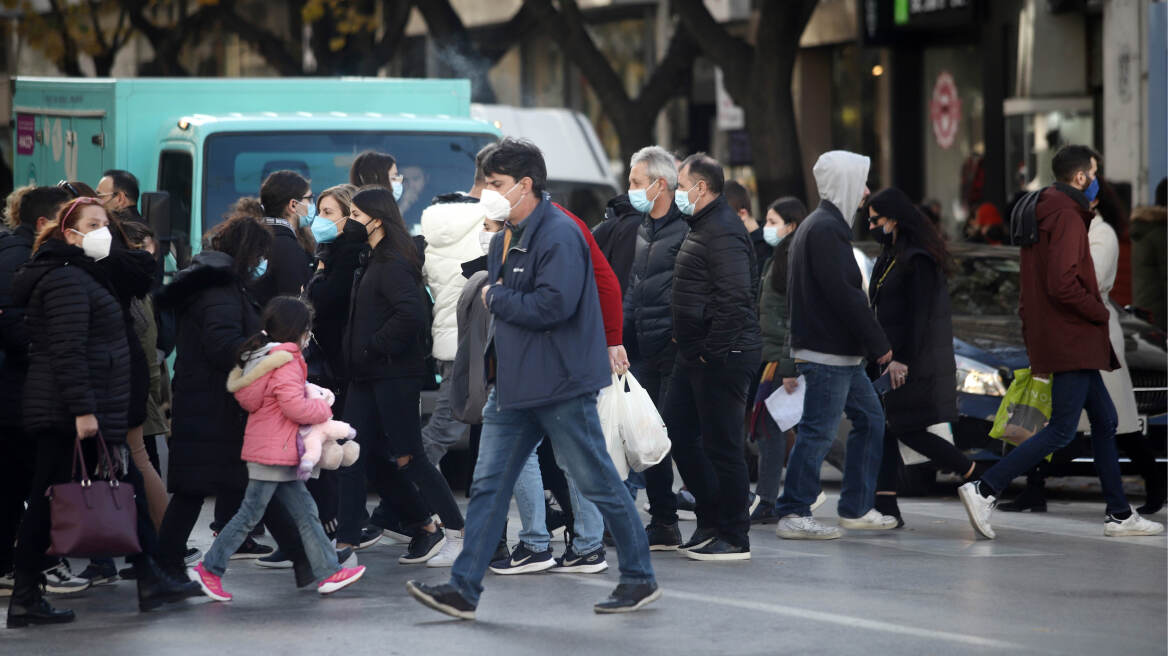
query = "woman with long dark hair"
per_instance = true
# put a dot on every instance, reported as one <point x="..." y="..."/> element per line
<point x="374" y="169"/>
<point x="78" y="388"/>
<point x="782" y="218"/>
<point x="215" y="313"/>
<point x="384" y="347"/>
<point x="910" y="295"/>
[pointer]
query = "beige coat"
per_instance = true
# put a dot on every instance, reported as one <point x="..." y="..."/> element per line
<point x="1105" y="253"/>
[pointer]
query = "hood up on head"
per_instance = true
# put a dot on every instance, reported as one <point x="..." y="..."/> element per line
<point x="841" y="176"/>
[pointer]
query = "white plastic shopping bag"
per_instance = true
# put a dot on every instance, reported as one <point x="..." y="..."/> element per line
<point x="608" y="407"/>
<point x="642" y="429"/>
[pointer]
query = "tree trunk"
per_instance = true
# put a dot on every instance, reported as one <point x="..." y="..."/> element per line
<point x="775" y="151"/>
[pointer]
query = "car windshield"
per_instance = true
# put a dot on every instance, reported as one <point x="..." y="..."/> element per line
<point x="984" y="286"/>
<point x="430" y="164"/>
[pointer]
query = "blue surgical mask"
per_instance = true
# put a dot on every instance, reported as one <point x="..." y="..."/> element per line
<point x="1092" y="189"/>
<point x="398" y="190"/>
<point x="261" y="268"/>
<point x="324" y="231"/>
<point x="639" y="198"/>
<point x="770" y="234"/>
<point x="681" y="199"/>
<point x="310" y="215"/>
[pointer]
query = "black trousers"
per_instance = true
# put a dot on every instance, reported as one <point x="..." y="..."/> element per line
<point x="934" y="447"/>
<point x="325" y="491"/>
<point x="655" y="374"/>
<point x="704" y="412"/>
<point x="54" y="465"/>
<point x="19" y="458"/>
<point x="183" y="512"/>
<point x="385" y="415"/>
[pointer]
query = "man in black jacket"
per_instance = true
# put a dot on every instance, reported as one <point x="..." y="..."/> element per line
<point x="719" y="348"/>
<point x="648" y="323"/>
<point x="617" y="236"/>
<point x="118" y="192"/>
<point x="37" y="207"/>
<point x="739" y="199"/>
<point x="832" y="331"/>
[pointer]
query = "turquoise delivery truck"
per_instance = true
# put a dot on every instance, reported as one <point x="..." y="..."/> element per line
<point x="208" y="142"/>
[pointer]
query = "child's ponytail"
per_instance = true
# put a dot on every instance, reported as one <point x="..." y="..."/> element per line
<point x="286" y="319"/>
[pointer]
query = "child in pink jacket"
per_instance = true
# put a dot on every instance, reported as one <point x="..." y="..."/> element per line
<point x="269" y="383"/>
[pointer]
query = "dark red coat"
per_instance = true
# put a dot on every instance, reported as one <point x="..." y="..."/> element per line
<point x="1064" y="320"/>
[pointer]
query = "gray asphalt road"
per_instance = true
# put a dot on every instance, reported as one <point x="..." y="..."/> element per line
<point x="1049" y="584"/>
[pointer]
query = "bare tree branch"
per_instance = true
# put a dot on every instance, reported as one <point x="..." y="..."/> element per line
<point x="270" y="45"/>
<point x="733" y="55"/>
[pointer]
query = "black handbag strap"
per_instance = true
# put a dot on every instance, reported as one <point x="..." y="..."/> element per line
<point x="103" y="453"/>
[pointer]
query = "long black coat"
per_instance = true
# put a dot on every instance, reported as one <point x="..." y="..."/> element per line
<point x="329" y="291"/>
<point x="131" y="274"/>
<point x="15" y="248"/>
<point x="79" y="358"/>
<point x="714" y="287"/>
<point x="216" y="314"/>
<point x="388" y="319"/>
<point x="648" y="321"/>
<point x="911" y="299"/>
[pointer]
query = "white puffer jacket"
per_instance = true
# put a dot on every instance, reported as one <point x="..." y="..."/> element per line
<point x="451" y="227"/>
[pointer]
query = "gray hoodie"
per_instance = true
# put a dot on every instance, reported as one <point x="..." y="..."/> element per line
<point x="841" y="177"/>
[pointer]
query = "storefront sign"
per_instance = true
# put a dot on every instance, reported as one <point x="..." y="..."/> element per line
<point x="889" y="21"/>
<point x="25" y="134"/>
<point x="945" y="110"/>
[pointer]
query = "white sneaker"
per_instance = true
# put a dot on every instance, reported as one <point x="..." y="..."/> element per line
<point x="7" y="583"/>
<point x="59" y="579"/>
<point x="819" y="501"/>
<point x="445" y="557"/>
<point x="794" y="527"/>
<point x="871" y="521"/>
<point x="1130" y="527"/>
<point x="979" y="508"/>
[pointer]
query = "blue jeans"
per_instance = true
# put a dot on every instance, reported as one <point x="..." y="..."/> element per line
<point x="1071" y="393"/>
<point x="508" y="439"/>
<point x="294" y="496"/>
<point x="587" y="524"/>
<point x="831" y="392"/>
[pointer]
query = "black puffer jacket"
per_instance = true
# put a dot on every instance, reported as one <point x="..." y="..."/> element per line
<point x="15" y="248"/>
<point x="616" y="236"/>
<point x="131" y="273"/>
<point x="289" y="267"/>
<point x="911" y="297"/>
<point x="648" y="320"/>
<point x="714" y="288"/>
<point x="79" y="359"/>
<point x="388" y="319"/>
<point x="216" y="314"/>
<point x="329" y="291"/>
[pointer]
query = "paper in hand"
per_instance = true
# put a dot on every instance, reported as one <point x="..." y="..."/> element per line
<point x="787" y="409"/>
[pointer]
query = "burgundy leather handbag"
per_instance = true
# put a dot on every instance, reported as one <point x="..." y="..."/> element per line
<point x="93" y="519"/>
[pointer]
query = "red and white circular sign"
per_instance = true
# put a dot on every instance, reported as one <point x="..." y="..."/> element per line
<point x="945" y="110"/>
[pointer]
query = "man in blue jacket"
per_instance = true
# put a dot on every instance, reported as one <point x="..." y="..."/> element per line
<point x="547" y="358"/>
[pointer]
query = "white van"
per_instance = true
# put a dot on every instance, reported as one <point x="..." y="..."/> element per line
<point x="579" y="175"/>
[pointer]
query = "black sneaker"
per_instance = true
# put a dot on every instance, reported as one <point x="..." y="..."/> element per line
<point x="556" y="521"/>
<point x="524" y="561"/>
<point x="752" y="502"/>
<point x="662" y="536"/>
<point x="251" y="549"/>
<point x="1031" y="500"/>
<point x="370" y="535"/>
<point x="701" y="538"/>
<point x="423" y="548"/>
<point x="192" y="557"/>
<point x="764" y="513"/>
<point x="99" y="573"/>
<point x="572" y="563"/>
<point x="719" y="550"/>
<point x="275" y="560"/>
<point x="502" y="552"/>
<point x="629" y="597"/>
<point x="442" y="598"/>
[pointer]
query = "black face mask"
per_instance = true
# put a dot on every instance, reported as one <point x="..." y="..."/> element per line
<point x="880" y="236"/>
<point x="355" y="230"/>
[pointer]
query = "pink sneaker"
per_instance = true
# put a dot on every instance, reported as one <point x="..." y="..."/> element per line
<point x="341" y="579"/>
<point x="212" y="585"/>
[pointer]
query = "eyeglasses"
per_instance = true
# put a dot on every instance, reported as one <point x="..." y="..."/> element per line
<point x="309" y="197"/>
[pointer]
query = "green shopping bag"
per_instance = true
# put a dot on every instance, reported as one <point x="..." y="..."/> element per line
<point x="1024" y="410"/>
